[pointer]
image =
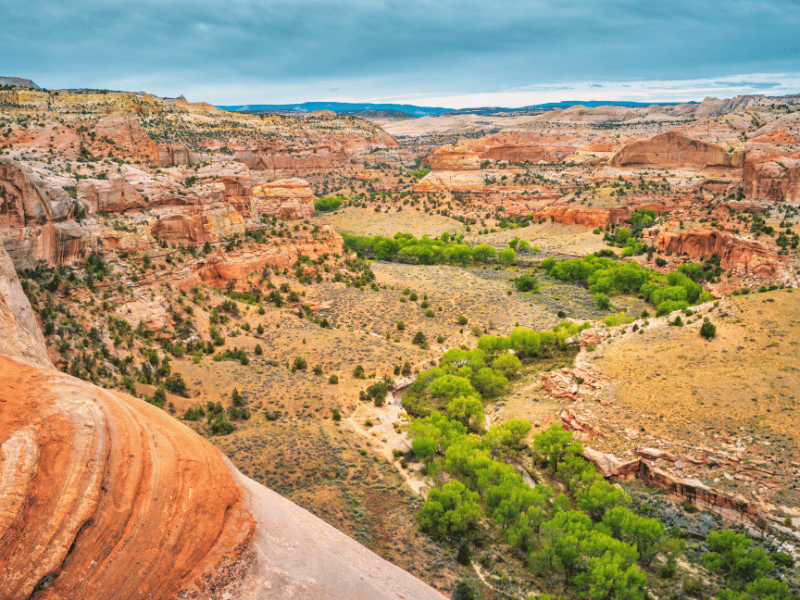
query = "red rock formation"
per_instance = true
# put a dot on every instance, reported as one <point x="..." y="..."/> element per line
<point x="521" y="146"/>
<point x="103" y="495"/>
<point x="588" y="217"/>
<point x="285" y="198"/>
<point x="219" y="269"/>
<point x="454" y="158"/>
<point x="673" y="149"/>
<point x="775" y="178"/>
<point x="113" y="195"/>
<point x="174" y="154"/>
<point x="128" y="136"/>
<point x="743" y="255"/>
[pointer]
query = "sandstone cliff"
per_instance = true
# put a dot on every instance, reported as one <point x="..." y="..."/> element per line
<point x="775" y="178"/>
<point x="19" y="332"/>
<point x="455" y="158"/>
<point x="673" y="149"/>
<point x="285" y="199"/>
<point x="748" y="257"/>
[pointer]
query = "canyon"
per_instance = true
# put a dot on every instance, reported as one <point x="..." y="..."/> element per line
<point x="151" y="241"/>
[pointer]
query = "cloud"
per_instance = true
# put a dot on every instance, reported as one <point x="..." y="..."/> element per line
<point x="756" y="85"/>
<point x="269" y="50"/>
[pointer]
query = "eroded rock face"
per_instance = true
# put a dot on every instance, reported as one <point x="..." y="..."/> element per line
<point x="110" y="497"/>
<point x="674" y="149"/>
<point x="520" y="146"/>
<point x="455" y="158"/>
<point x="19" y="332"/>
<point x="776" y="178"/>
<point x="588" y="217"/>
<point x="26" y="200"/>
<point x="734" y="253"/>
<point x="128" y="135"/>
<point x="174" y="154"/>
<point x="113" y="195"/>
<point x="286" y="199"/>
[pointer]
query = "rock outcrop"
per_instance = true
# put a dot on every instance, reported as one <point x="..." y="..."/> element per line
<point x="674" y="149"/>
<point x="775" y="178"/>
<point x="18" y="82"/>
<point x="174" y="154"/>
<point x="105" y="496"/>
<point x="111" y="195"/>
<point x="36" y="219"/>
<point x="588" y="217"/>
<point x="128" y="136"/>
<point x="520" y="146"/>
<point x="286" y="199"/>
<point x="455" y="158"/>
<point x="746" y="256"/>
<point x="19" y="332"/>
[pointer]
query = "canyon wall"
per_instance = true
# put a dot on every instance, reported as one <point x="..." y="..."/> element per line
<point x="674" y="149"/>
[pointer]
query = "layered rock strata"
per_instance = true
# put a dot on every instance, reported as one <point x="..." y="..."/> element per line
<point x="674" y="149"/>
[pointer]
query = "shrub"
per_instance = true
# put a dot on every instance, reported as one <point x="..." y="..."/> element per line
<point x="462" y="320"/>
<point x="327" y="204"/>
<point x="603" y="301"/>
<point x="299" y="364"/>
<point x="660" y="262"/>
<point x="526" y="283"/>
<point x="401" y="326"/>
<point x="708" y="330"/>
<point x="358" y="372"/>
<point x="337" y="416"/>
<point x="259" y="350"/>
<point x="333" y="379"/>
<point x="420" y="340"/>
<point x="430" y="314"/>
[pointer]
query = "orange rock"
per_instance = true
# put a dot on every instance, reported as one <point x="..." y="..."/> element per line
<point x="521" y="146"/>
<point x="454" y="158"/>
<point x="588" y="217"/>
<point x="774" y="178"/>
<point x="674" y="149"/>
<point x="745" y="256"/>
<point x="101" y="484"/>
<point x="285" y="198"/>
<point x="174" y="154"/>
<point x="128" y="136"/>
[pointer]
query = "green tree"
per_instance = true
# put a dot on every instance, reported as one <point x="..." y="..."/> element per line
<point x="448" y="387"/>
<point x="507" y="256"/>
<point x="600" y="497"/>
<point x="508" y="365"/>
<point x="731" y="554"/>
<point x="554" y="444"/>
<point x="468" y="411"/>
<point x="450" y="511"/>
<point x="482" y="253"/>
<point x="489" y="383"/>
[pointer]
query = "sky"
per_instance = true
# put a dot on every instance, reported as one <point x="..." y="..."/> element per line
<point x="427" y="52"/>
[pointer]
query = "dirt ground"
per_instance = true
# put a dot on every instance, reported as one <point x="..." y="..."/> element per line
<point x="737" y="394"/>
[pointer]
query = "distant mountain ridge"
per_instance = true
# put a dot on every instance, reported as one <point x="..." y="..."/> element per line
<point x="421" y="111"/>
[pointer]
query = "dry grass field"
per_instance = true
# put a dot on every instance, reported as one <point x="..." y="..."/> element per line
<point x="738" y="393"/>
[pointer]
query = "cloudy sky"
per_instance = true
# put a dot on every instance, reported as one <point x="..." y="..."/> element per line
<point x="429" y="52"/>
